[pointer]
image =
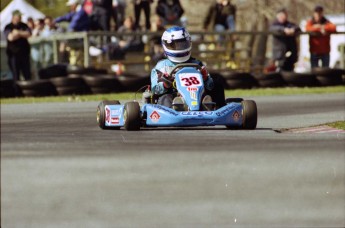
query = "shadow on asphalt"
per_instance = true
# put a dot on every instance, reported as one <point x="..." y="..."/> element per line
<point x="201" y="129"/>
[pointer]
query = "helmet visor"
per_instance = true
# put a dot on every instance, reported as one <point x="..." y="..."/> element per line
<point x="178" y="45"/>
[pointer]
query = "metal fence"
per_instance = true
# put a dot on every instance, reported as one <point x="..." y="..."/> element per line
<point x="241" y="51"/>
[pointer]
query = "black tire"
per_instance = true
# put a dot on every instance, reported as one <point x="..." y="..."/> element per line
<point x="57" y="70"/>
<point x="94" y="71"/>
<point x="72" y="69"/>
<point x="7" y="88"/>
<point x="102" y="81"/>
<point x="233" y="100"/>
<point x="37" y="88"/>
<point x="236" y="80"/>
<point x="101" y="114"/>
<point x="132" y="119"/>
<point x="328" y="76"/>
<point x="67" y="82"/>
<point x="238" y="84"/>
<point x="330" y="80"/>
<point x="270" y="80"/>
<point x="72" y="90"/>
<point x="250" y="114"/>
<point x="132" y="83"/>
<point x="101" y="90"/>
<point x="300" y="79"/>
<point x="31" y="93"/>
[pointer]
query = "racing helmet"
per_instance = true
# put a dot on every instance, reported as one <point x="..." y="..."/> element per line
<point x="177" y="44"/>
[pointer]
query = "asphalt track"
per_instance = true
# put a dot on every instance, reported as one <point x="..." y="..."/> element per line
<point x="58" y="169"/>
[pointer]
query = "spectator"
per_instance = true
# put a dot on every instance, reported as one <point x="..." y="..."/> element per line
<point x="30" y="23"/>
<point x="18" y="47"/>
<point x="119" y="8"/>
<point x="78" y="18"/>
<point x="140" y="5"/>
<point x="126" y="43"/>
<point x="320" y="45"/>
<point x="170" y="11"/>
<point x="102" y="10"/>
<point x="284" y="41"/>
<point x="130" y="42"/>
<point x="157" y="49"/>
<point x="222" y="15"/>
<point x="39" y="26"/>
<point x="88" y="6"/>
<point x="49" y="27"/>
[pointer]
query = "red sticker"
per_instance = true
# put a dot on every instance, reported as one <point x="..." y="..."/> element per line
<point x="236" y="116"/>
<point x="155" y="116"/>
<point x="115" y="120"/>
<point x="192" y="89"/>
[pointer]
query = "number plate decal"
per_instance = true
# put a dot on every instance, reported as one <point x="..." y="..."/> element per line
<point x="188" y="79"/>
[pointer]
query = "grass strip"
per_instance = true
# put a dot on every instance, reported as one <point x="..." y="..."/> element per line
<point x="338" y="125"/>
<point x="130" y="95"/>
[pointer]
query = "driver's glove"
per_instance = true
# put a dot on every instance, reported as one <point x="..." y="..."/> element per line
<point x="167" y="80"/>
<point x="208" y="81"/>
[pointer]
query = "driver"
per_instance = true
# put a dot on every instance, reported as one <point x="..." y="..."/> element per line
<point x="177" y="46"/>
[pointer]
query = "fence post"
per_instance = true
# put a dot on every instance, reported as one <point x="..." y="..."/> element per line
<point x="86" y="50"/>
<point x="55" y="51"/>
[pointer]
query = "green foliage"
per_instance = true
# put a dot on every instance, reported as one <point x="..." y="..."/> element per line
<point x="52" y="8"/>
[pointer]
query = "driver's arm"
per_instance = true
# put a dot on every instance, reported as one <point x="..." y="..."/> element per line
<point x="157" y="87"/>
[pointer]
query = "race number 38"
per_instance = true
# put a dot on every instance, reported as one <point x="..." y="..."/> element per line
<point x="187" y="80"/>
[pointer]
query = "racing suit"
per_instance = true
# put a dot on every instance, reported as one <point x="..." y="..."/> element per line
<point x="164" y="67"/>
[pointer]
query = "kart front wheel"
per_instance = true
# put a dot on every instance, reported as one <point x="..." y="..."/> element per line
<point x="250" y="114"/>
<point x="101" y="114"/>
<point x="131" y="115"/>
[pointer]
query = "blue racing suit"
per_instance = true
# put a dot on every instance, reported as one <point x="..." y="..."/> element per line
<point x="164" y="67"/>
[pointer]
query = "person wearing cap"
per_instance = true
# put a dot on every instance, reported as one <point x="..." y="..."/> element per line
<point x="284" y="41"/>
<point x="319" y="45"/>
<point x="18" y="47"/>
<point x="77" y="18"/>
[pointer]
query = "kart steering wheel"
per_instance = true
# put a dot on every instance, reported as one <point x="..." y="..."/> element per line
<point x="178" y="66"/>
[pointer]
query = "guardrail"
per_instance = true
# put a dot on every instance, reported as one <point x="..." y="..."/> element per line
<point x="221" y="50"/>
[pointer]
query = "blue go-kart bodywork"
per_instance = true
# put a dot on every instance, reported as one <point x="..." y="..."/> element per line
<point x="236" y="114"/>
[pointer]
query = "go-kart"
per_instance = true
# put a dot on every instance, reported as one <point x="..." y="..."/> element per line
<point x="189" y="85"/>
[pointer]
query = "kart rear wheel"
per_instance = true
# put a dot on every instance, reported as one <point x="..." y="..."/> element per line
<point x="250" y="114"/>
<point x="101" y="114"/>
<point x="132" y="119"/>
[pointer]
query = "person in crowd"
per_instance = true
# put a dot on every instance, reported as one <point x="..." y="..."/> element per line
<point x="30" y="23"/>
<point x="221" y="16"/>
<point x="119" y="12"/>
<point x="140" y="5"/>
<point x="285" y="52"/>
<point x="39" y="26"/>
<point x="102" y="11"/>
<point x="170" y="12"/>
<point x="157" y="49"/>
<point x="319" y="45"/>
<point x="88" y="7"/>
<point x="125" y="43"/>
<point x="18" y="47"/>
<point x="77" y="17"/>
<point x="130" y="42"/>
<point x="49" y="27"/>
